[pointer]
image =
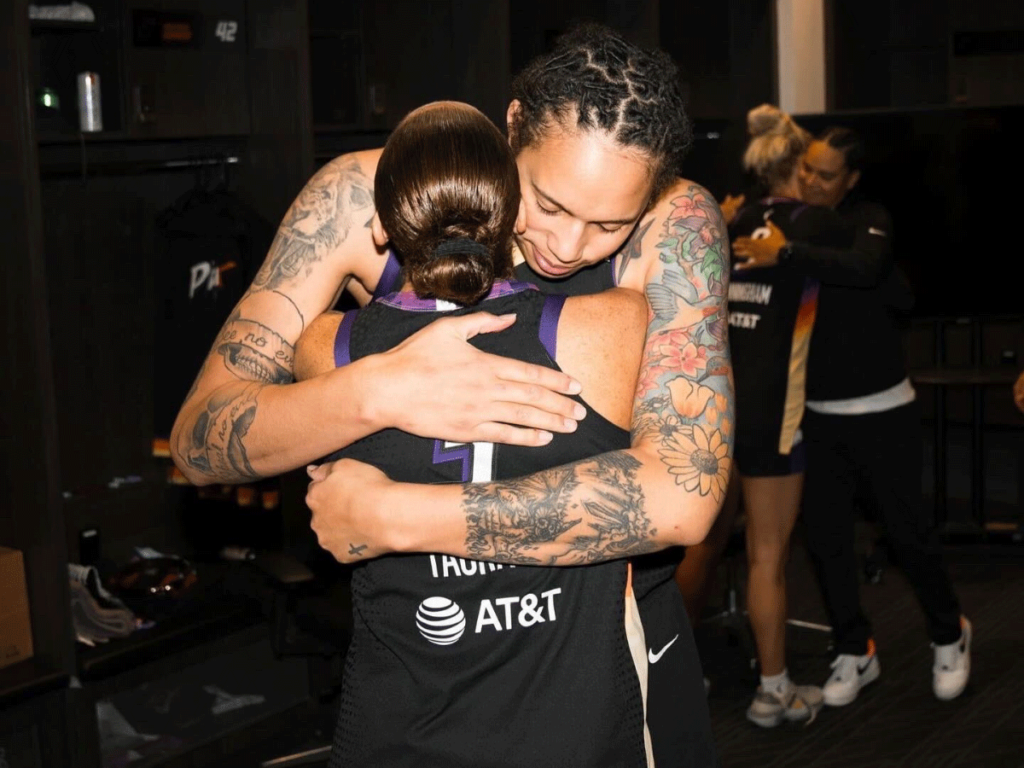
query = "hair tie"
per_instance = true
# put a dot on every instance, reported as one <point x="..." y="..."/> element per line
<point x="460" y="245"/>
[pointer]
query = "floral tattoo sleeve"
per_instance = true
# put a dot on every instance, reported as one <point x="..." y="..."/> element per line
<point x="683" y="399"/>
<point x="597" y="509"/>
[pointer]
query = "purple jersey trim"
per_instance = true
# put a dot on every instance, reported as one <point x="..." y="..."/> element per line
<point x="779" y="200"/>
<point x="548" y="331"/>
<point x="386" y="284"/>
<point x="796" y="212"/>
<point x="409" y="301"/>
<point x="459" y="452"/>
<point x="615" y="274"/>
<point x="342" y="354"/>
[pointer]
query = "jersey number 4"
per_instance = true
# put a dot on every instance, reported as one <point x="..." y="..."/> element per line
<point x="477" y="459"/>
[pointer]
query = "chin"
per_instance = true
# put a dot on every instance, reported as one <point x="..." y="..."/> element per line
<point x="539" y="265"/>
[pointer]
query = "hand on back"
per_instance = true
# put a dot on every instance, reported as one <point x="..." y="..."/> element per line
<point x="436" y="384"/>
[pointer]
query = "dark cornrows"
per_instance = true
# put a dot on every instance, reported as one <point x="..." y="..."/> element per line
<point x="603" y="83"/>
<point x="847" y="141"/>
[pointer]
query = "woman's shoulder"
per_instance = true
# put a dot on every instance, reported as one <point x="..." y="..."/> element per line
<point x="607" y="319"/>
<point x="685" y="197"/>
<point x="315" y="347"/>
<point x="683" y="212"/>
<point x="363" y="161"/>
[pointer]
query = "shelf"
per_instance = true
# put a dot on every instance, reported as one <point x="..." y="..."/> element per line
<point x="337" y="32"/>
<point x="127" y="156"/>
<point x="201" y="622"/>
<point x="39" y="26"/>
<point x="348" y="129"/>
<point x="29" y="678"/>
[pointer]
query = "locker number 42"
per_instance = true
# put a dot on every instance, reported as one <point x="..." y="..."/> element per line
<point x="226" y="31"/>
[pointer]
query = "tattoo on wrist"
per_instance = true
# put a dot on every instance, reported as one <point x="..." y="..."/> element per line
<point x="356" y="550"/>
<point x="524" y="521"/>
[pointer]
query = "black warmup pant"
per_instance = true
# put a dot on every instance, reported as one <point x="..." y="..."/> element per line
<point x="877" y="454"/>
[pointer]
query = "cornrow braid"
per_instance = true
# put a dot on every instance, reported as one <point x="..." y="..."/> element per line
<point x="604" y="83"/>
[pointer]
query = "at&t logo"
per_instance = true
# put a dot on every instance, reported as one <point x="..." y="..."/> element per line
<point x="440" y="620"/>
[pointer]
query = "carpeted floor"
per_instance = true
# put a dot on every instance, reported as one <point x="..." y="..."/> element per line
<point x="896" y="721"/>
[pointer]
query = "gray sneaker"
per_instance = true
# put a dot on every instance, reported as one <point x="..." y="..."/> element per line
<point x="801" y="705"/>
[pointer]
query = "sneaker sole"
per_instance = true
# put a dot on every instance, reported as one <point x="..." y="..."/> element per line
<point x="869" y="676"/>
<point x="768" y="721"/>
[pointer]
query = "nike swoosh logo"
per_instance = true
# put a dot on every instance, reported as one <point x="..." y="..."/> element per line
<point x="861" y="670"/>
<point x="653" y="657"/>
<point x="874" y="231"/>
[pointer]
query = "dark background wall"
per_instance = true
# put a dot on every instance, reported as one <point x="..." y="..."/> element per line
<point x="322" y="77"/>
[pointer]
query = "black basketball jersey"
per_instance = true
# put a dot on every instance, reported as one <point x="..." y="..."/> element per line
<point x="677" y="711"/>
<point x="771" y="317"/>
<point x="456" y="662"/>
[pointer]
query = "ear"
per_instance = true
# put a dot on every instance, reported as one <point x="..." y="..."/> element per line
<point x="380" y="237"/>
<point x="511" y="116"/>
<point x="852" y="182"/>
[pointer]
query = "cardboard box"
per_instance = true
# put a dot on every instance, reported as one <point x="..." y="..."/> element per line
<point x="15" y="625"/>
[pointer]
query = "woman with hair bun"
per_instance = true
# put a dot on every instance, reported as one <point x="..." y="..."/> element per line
<point x="771" y="316"/>
<point x="599" y="129"/>
<point x="459" y="662"/>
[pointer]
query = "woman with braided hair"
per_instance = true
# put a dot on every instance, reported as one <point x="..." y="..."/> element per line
<point x="458" y="662"/>
<point x="598" y="128"/>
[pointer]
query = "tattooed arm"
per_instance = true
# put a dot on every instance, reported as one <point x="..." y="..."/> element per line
<point x="245" y="418"/>
<point x="234" y="424"/>
<point x="666" y="489"/>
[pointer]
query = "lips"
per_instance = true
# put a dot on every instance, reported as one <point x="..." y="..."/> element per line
<point x="545" y="266"/>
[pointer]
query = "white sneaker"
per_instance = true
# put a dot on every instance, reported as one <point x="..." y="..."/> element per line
<point x="850" y="674"/>
<point x="952" y="666"/>
<point x="800" y="703"/>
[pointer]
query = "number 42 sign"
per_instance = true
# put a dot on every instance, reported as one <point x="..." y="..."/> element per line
<point x="226" y="31"/>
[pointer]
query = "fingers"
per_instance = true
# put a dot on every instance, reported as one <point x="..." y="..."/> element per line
<point x="506" y="434"/>
<point x="469" y="326"/>
<point x="551" y="417"/>
<point x="540" y="379"/>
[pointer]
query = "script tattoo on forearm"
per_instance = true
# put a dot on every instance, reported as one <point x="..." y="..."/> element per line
<point x="523" y="521"/>
<point x="215" y="442"/>
<point x="254" y="352"/>
<point x="319" y="220"/>
<point x="684" y="394"/>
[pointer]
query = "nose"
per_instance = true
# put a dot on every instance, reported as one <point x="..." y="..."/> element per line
<point x="566" y="241"/>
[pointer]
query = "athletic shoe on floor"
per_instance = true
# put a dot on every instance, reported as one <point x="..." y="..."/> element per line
<point x="850" y="674"/>
<point x="952" y="666"/>
<point x="800" y="705"/>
